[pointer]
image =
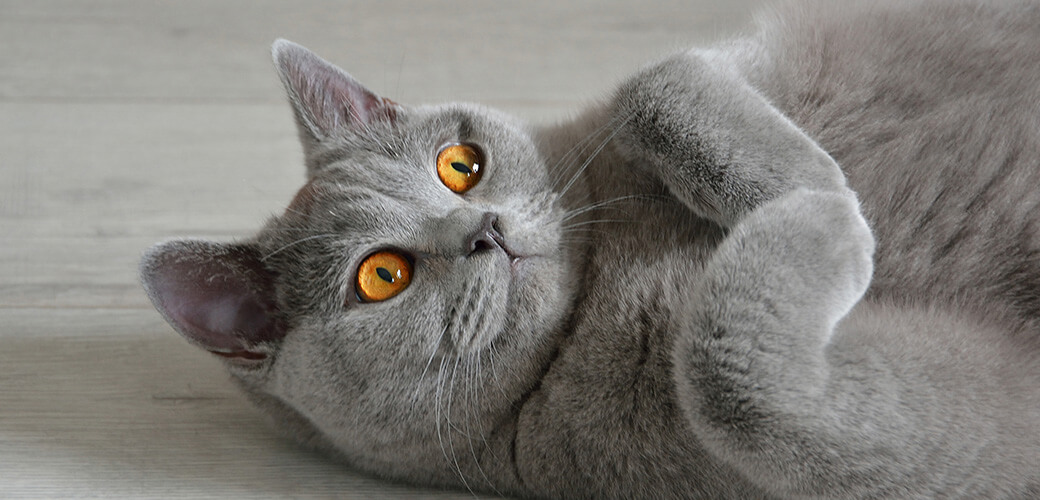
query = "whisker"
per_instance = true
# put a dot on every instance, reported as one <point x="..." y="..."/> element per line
<point x="436" y="348"/>
<point x="491" y="360"/>
<point x="451" y="426"/>
<point x="475" y="385"/>
<point x="596" y="221"/>
<point x="437" y="409"/>
<point x="601" y="204"/>
<point x="578" y="149"/>
<point x="482" y="387"/>
<point x="595" y="153"/>
<point x="301" y="240"/>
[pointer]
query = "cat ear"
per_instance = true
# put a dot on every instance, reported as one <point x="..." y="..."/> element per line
<point x="218" y="296"/>
<point x="325" y="98"/>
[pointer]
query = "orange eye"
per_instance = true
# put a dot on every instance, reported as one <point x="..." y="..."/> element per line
<point x="459" y="167"/>
<point x="383" y="275"/>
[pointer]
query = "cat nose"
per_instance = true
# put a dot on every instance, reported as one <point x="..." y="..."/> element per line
<point x="487" y="237"/>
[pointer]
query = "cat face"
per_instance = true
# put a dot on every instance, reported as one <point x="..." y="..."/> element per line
<point x="473" y="302"/>
<point x="415" y="280"/>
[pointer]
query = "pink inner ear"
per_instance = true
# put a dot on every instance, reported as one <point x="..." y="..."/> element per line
<point x="360" y="104"/>
<point x="221" y="320"/>
<point x="326" y="98"/>
<point x="219" y="297"/>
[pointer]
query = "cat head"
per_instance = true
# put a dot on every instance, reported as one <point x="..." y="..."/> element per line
<point x="419" y="277"/>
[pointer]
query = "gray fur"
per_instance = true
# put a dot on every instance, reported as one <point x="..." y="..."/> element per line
<point x="798" y="264"/>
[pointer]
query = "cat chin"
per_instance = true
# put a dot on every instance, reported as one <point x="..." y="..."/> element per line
<point x="507" y="295"/>
<point x="477" y="314"/>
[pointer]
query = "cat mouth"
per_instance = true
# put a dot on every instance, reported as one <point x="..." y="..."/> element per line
<point x="518" y="263"/>
<point x="519" y="260"/>
<point x="491" y="239"/>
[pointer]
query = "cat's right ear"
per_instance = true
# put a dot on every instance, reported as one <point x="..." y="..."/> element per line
<point x="327" y="101"/>
<point x="218" y="296"/>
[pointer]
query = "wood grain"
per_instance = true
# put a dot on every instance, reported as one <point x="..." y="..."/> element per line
<point x="123" y="123"/>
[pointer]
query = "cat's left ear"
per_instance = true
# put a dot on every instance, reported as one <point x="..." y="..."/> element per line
<point x="327" y="101"/>
<point x="219" y="296"/>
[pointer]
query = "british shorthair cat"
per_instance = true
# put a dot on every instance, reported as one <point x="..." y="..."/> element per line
<point x="803" y="263"/>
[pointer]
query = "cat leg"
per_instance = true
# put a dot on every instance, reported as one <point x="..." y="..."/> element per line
<point x="783" y="373"/>
<point x="718" y="145"/>
<point x="749" y="361"/>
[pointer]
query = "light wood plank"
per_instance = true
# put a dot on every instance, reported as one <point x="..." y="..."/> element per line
<point x="104" y="170"/>
<point x="413" y="51"/>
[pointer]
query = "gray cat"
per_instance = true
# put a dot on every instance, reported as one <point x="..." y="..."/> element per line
<point x="677" y="294"/>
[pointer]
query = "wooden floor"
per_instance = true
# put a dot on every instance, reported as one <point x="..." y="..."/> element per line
<point x="126" y="122"/>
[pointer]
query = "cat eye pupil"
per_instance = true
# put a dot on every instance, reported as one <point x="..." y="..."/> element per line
<point x="382" y="275"/>
<point x="461" y="167"/>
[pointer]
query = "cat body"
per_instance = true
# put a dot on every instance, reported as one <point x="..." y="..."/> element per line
<point x="797" y="264"/>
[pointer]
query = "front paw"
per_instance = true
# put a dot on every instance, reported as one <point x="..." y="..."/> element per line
<point x="660" y="116"/>
<point x="819" y="243"/>
<point x="716" y="143"/>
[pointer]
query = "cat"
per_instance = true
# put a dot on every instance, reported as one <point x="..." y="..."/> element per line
<point x="801" y="263"/>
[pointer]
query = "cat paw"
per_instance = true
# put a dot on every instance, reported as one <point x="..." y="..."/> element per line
<point x="718" y="145"/>
<point x="819" y="243"/>
<point x="659" y="112"/>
